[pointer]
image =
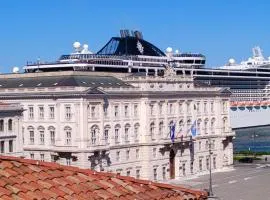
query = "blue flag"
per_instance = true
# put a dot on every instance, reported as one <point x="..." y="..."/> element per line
<point x="172" y="131"/>
<point x="193" y="129"/>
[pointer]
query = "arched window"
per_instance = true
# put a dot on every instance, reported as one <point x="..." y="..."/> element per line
<point x="116" y="133"/>
<point x="127" y="128"/>
<point x="1" y="125"/>
<point x="52" y="134"/>
<point x="94" y="134"/>
<point x="68" y="130"/>
<point x="31" y="134"/>
<point x="106" y="134"/>
<point x="152" y="130"/>
<point x="136" y="131"/>
<point x="41" y="135"/>
<point x="10" y="124"/>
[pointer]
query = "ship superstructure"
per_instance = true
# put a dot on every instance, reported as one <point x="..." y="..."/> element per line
<point x="130" y="53"/>
<point x="127" y="53"/>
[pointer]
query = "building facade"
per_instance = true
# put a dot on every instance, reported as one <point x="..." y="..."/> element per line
<point x="10" y="129"/>
<point x="123" y="124"/>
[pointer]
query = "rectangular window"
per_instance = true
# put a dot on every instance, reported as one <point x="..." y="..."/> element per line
<point x="212" y="107"/>
<point x="41" y="133"/>
<point x="164" y="173"/>
<point x="31" y="112"/>
<point x="32" y="156"/>
<point x="171" y="108"/>
<point x="51" y="110"/>
<point x="151" y="109"/>
<point x="32" y="137"/>
<point x="136" y="131"/>
<point x="68" y="137"/>
<point x="93" y="111"/>
<point x="52" y="134"/>
<point x="41" y="112"/>
<point x="207" y="163"/>
<point x="155" y="173"/>
<point x="137" y="173"/>
<point x="205" y="107"/>
<point x="42" y="157"/>
<point x="116" y="135"/>
<point x="184" y="168"/>
<point x="128" y="173"/>
<point x="127" y="154"/>
<point x="127" y="134"/>
<point x="154" y="152"/>
<point x="118" y="156"/>
<point x="136" y="110"/>
<point x="198" y="107"/>
<point x="191" y="167"/>
<point x="126" y="111"/>
<point x="160" y="108"/>
<point x="188" y="107"/>
<point x="214" y="163"/>
<point x="200" y="164"/>
<point x="68" y="112"/>
<point x="116" y="111"/>
<point x="137" y="153"/>
<point x="1" y="125"/>
<point x="106" y="136"/>
<point x="2" y="146"/>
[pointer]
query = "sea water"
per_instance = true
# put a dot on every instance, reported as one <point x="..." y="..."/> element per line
<point x="255" y="139"/>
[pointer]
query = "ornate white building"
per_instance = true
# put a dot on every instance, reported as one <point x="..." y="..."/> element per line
<point x="118" y="123"/>
<point x="10" y="129"/>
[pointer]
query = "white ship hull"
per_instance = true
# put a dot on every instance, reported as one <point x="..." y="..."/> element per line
<point x="248" y="117"/>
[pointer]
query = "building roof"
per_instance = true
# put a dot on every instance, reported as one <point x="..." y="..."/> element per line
<point x="72" y="80"/>
<point x="31" y="179"/>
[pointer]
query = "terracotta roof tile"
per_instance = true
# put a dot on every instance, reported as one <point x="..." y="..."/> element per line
<point x="4" y="191"/>
<point x="31" y="179"/>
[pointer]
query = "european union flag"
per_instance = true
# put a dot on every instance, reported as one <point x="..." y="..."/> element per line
<point x="193" y="129"/>
<point x="172" y="132"/>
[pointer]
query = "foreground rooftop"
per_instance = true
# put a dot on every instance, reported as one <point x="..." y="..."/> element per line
<point x="32" y="179"/>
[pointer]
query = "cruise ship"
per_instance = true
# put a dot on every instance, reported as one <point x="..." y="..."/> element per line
<point x="130" y="53"/>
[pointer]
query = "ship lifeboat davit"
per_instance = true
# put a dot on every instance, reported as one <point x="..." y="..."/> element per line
<point x="249" y="103"/>
<point x="264" y="103"/>
<point x="241" y="104"/>
<point x="257" y="103"/>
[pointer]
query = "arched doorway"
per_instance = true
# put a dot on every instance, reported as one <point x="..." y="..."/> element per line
<point x="172" y="164"/>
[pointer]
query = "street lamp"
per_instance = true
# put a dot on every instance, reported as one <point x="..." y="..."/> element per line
<point x="211" y="194"/>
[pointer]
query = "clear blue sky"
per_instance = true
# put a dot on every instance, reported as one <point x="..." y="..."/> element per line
<point x="47" y="29"/>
